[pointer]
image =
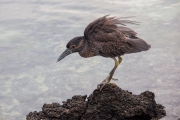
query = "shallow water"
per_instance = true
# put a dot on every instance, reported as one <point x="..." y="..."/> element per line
<point x="33" y="34"/>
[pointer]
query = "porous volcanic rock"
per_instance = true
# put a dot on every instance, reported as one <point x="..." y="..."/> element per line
<point x="111" y="103"/>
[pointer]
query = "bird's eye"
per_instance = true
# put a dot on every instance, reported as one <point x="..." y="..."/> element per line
<point x="73" y="46"/>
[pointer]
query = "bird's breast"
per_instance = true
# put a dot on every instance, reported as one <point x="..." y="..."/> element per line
<point x="86" y="53"/>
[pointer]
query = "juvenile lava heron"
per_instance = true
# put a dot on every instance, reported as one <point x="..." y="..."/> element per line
<point x="103" y="37"/>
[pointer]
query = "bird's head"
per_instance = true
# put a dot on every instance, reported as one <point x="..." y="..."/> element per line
<point x="74" y="45"/>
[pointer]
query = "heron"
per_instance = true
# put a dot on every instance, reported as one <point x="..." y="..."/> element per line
<point x="107" y="37"/>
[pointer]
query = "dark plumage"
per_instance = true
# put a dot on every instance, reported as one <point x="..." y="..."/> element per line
<point x="103" y="37"/>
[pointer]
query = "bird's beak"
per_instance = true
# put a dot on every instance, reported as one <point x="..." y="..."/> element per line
<point x="64" y="54"/>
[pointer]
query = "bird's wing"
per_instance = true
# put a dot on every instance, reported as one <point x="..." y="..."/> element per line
<point x="109" y="38"/>
<point x="106" y="26"/>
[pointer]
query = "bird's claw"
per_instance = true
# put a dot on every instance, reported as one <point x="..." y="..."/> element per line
<point x="101" y="85"/>
<point x="106" y="81"/>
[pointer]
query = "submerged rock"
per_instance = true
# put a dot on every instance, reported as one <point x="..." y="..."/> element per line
<point x="111" y="103"/>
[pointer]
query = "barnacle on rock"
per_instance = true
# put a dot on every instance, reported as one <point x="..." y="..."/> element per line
<point x="111" y="103"/>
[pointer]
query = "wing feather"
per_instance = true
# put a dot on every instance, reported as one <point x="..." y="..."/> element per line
<point x="111" y="39"/>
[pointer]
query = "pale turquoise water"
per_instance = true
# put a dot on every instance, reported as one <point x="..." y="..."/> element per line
<point x="34" y="33"/>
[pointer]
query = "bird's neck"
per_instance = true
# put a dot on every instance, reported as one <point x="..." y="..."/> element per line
<point x="86" y="50"/>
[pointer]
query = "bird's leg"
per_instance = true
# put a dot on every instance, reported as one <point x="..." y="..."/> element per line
<point x="108" y="79"/>
<point x="120" y="60"/>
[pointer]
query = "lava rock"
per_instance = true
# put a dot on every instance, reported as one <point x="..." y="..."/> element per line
<point x="111" y="103"/>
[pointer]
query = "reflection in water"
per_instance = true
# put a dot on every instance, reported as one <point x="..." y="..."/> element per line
<point x="34" y="33"/>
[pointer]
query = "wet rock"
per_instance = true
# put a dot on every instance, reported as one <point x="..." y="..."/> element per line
<point x="111" y="103"/>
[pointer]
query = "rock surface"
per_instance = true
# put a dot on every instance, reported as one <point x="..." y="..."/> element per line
<point x="111" y="103"/>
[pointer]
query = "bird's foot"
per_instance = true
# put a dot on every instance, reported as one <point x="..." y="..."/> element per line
<point x="101" y="85"/>
<point x="106" y="81"/>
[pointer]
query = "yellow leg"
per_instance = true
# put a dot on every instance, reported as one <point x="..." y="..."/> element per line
<point x="108" y="79"/>
<point x="120" y="60"/>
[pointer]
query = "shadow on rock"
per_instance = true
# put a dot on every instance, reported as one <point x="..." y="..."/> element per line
<point x="111" y="103"/>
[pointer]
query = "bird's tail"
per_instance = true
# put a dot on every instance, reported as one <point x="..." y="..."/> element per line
<point x="138" y="45"/>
